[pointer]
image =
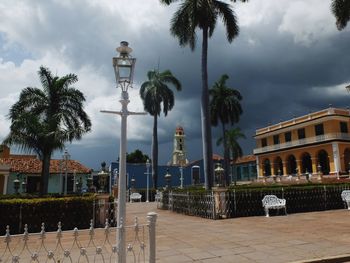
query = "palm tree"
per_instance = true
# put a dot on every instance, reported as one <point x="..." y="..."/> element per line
<point x="235" y="149"/>
<point x="203" y="14"/>
<point x="341" y="11"/>
<point x="157" y="97"/>
<point x="225" y="107"/>
<point x="42" y="121"/>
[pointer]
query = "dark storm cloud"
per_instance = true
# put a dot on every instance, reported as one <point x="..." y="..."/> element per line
<point x="284" y="65"/>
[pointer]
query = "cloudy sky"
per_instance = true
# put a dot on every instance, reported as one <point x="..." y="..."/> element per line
<point x="289" y="59"/>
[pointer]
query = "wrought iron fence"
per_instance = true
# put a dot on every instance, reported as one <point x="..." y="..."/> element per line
<point x="228" y="204"/>
<point x="92" y="245"/>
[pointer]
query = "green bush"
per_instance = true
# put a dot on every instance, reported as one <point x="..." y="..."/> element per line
<point x="70" y="211"/>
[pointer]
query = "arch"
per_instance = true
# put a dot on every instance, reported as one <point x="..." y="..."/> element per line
<point x="306" y="163"/>
<point x="278" y="165"/>
<point x="347" y="159"/>
<point x="267" y="167"/>
<point x="323" y="161"/>
<point x="291" y="164"/>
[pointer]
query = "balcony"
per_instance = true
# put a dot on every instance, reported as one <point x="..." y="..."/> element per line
<point x="302" y="142"/>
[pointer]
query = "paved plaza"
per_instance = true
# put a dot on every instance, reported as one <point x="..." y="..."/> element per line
<point x="302" y="237"/>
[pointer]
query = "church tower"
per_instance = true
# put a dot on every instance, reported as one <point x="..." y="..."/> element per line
<point x="179" y="152"/>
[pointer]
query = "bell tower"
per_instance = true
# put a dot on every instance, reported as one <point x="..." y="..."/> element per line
<point x="179" y="152"/>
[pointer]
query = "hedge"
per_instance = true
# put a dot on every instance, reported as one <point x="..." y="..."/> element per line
<point x="70" y="211"/>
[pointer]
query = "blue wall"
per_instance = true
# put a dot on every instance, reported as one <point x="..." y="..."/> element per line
<point x="138" y="172"/>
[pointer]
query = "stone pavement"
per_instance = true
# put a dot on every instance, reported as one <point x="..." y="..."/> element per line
<point x="302" y="237"/>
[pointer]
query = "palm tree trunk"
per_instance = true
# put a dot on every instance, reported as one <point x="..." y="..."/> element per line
<point x="205" y="116"/>
<point x="226" y="156"/>
<point x="45" y="173"/>
<point x="155" y="153"/>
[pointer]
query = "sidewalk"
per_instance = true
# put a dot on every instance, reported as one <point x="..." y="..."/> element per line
<point x="296" y="237"/>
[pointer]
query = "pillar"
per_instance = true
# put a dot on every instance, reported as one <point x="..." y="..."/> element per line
<point x="6" y="177"/>
<point x="284" y="172"/>
<point x="314" y="165"/>
<point x="336" y="158"/>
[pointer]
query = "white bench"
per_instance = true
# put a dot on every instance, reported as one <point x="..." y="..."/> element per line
<point x="273" y="202"/>
<point x="135" y="196"/>
<point x="345" y="196"/>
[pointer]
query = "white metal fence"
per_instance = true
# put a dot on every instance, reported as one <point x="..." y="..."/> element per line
<point x="92" y="245"/>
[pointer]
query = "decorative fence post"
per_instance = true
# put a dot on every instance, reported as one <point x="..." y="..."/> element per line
<point x="152" y="218"/>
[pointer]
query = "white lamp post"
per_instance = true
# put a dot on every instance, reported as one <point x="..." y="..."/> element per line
<point x="148" y="164"/>
<point x="123" y="66"/>
<point x="181" y="177"/>
<point x="66" y="157"/>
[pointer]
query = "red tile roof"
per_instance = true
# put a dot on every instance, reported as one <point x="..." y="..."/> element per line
<point x="246" y="159"/>
<point x="30" y="164"/>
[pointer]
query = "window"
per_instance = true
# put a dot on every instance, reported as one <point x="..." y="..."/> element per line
<point x="263" y="142"/>
<point x="288" y="136"/>
<point x="319" y="129"/>
<point x="276" y="139"/>
<point x="301" y="133"/>
<point x="343" y="127"/>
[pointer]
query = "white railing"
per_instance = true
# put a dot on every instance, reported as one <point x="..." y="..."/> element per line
<point x="310" y="140"/>
<point x="92" y="245"/>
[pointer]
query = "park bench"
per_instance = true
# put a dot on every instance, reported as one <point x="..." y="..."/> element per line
<point x="345" y="196"/>
<point x="273" y="202"/>
<point x="135" y="197"/>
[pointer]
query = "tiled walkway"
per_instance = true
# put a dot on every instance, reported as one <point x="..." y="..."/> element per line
<point x="296" y="237"/>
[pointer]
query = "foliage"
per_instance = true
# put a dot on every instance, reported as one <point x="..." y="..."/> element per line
<point x="341" y="11"/>
<point x="136" y="156"/>
<point x="71" y="211"/>
<point x="157" y="96"/>
<point x="203" y="15"/>
<point x="42" y="121"/>
<point x="225" y="108"/>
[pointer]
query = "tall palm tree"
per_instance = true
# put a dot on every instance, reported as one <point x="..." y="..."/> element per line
<point x="157" y="97"/>
<point x="341" y="11"/>
<point x="42" y="121"/>
<point x="203" y="15"/>
<point x="225" y="107"/>
<point x="235" y="150"/>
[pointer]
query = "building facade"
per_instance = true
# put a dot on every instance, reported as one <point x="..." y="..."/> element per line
<point x="27" y="169"/>
<point x="318" y="142"/>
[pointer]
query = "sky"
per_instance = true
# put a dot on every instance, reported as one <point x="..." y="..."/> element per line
<point x="289" y="59"/>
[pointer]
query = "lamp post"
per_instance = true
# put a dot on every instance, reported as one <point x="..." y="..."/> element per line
<point x="123" y="66"/>
<point x="148" y="165"/>
<point x="167" y="177"/>
<point x="66" y="157"/>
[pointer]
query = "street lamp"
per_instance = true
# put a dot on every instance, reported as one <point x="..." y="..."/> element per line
<point x="148" y="165"/>
<point x="123" y="66"/>
<point x="66" y="157"/>
<point x="167" y="177"/>
<point x="181" y="177"/>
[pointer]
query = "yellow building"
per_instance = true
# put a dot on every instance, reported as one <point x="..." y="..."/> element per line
<point x="318" y="141"/>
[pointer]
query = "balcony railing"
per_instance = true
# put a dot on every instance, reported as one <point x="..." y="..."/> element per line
<point x="306" y="141"/>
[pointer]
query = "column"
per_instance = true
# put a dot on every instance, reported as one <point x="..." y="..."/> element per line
<point x="258" y="173"/>
<point x="314" y="165"/>
<point x="299" y="171"/>
<point x="336" y="158"/>
<point x="6" y="177"/>
<point x="284" y="172"/>
<point x="273" y="172"/>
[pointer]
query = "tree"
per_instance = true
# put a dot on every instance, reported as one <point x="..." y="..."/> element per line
<point x="157" y="97"/>
<point x="225" y="107"/>
<point x="42" y="121"/>
<point x="341" y="11"/>
<point x="136" y="156"/>
<point x="235" y="149"/>
<point x="203" y="14"/>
